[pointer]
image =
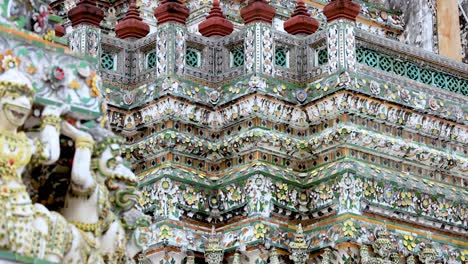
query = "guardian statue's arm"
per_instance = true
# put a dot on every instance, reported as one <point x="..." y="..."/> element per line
<point x="82" y="180"/>
<point x="47" y="146"/>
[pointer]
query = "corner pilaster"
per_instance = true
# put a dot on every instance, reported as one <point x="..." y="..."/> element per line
<point x="170" y="49"/>
<point x="85" y="37"/>
<point x="258" y="47"/>
<point x="341" y="16"/>
<point x="341" y="46"/>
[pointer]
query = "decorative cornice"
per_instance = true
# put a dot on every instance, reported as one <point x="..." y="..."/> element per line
<point x="306" y="148"/>
<point x="327" y="108"/>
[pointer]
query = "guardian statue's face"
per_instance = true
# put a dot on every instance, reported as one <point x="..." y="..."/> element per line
<point x="15" y="108"/>
<point x="111" y="163"/>
<point x="16" y="97"/>
<point x="119" y="179"/>
<point x="110" y="159"/>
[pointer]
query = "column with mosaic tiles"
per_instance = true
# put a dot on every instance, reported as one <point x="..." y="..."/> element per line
<point x="170" y="63"/>
<point x="85" y="37"/>
<point x="258" y="44"/>
<point x="341" y="16"/>
<point x="341" y="21"/>
<point x="171" y="35"/>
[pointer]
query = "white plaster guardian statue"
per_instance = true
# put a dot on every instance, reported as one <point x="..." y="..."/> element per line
<point x="24" y="226"/>
<point x="88" y="202"/>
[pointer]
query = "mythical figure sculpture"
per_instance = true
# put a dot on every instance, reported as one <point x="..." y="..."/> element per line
<point x="326" y="256"/>
<point x="299" y="248"/>
<point x="428" y="255"/>
<point x="259" y="196"/>
<point x="123" y="195"/>
<point x="214" y="252"/>
<point x="383" y="248"/>
<point x="88" y="202"/>
<point x="274" y="257"/>
<point x="31" y="229"/>
<point x="25" y="227"/>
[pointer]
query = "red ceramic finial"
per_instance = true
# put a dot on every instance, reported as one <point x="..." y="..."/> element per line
<point x="171" y="11"/>
<point x="258" y="10"/>
<point x="301" y="22"/>
<point x="132" y="26"/>
<point x="346" y="9"/>
<point x="86" y="12"/>
<point x="59" y="30"/>
<point x="216" y="23"/>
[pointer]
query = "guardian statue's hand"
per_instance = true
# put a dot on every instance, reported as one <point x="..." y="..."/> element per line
<point x="73" y="132"/>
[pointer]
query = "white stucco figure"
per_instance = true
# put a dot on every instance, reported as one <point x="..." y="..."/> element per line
<point x="88" y="202"/>
<point x="25" y="227"/>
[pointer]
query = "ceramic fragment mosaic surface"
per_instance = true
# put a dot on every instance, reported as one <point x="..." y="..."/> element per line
<point x="346" y="145"/>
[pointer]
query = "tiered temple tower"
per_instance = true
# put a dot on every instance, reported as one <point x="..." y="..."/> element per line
<point x="304" y="131"/>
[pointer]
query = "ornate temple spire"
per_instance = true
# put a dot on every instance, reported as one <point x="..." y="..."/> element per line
<point x="213" y="251"/>
<point x="132" y="25"/>
<point x="216" y="23"/>
<point x="299" y="248"/>
<point x="274" y="259"/>
<point x="301" y="22"/>
<point x="346" y="9"/>
<point x="326" y="256"/>
<point x="171" y="11"/>
<point x="258" y="10"/>
<point x="237" y="258"/>
<point x="86" y="12"/>
<point x="190" y="258"/>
